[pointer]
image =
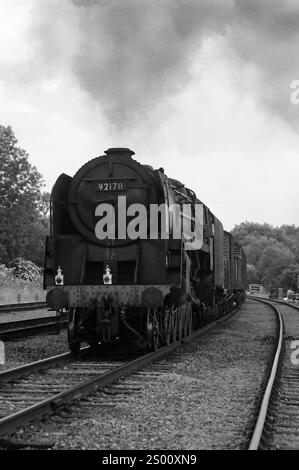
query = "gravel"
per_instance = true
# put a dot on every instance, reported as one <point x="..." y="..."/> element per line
<point x="34" y="348"/>
<point x="201" y="397"/>
<point x="284" y="414"/>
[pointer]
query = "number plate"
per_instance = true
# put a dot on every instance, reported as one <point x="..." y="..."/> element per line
<point x="112" y="186"/>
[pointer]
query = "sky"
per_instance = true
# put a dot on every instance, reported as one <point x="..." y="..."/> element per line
<point x="199" y="87"/>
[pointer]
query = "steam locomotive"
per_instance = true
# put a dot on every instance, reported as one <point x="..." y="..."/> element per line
<point x="153" y="277"/>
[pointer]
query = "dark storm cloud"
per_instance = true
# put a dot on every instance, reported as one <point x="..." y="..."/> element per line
<point x="129" y="54"/>
<point x="266" y="34"/>
<point x="133" y="53"/>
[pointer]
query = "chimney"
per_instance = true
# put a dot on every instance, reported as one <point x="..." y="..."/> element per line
<point x="119" y="152"/>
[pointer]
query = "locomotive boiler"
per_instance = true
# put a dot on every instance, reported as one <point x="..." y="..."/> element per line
<point x="120" y="259"/>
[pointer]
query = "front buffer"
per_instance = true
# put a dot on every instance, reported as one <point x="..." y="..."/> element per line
<point x="99" y="314"/>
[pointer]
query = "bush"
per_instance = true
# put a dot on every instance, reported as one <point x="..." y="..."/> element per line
<point x="25" y="269"/>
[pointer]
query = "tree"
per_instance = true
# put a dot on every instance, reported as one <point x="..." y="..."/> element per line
<point x="44" y="205"/>
<point x="288" y="277"/>
<point x="20" y="182"/>
<point x="272" y="253"/>
<point x="274" y="260"/>
<point x="22" y="203"/>
<point x="252" y="274"/>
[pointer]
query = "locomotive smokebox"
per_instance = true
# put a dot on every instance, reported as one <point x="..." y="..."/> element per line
<point x="119" y="152"/>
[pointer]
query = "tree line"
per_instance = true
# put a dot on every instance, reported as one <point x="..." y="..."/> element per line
<point x="272" y="253"/>
<point x="24" y="206"/>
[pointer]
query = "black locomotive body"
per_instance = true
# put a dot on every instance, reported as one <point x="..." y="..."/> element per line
<point x="155" y="287"/>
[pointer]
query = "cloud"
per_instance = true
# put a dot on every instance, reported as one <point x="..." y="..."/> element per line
<point x="129" y="55"/>
<point x="199" y="87"/>
<point x="266" y="34"/>
<point x="126" y="55"/>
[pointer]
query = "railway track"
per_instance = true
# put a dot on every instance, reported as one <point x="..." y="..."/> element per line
<point x="277" y="426"/>
<point x="18" y="325"/>
<point x="43" y="387"/>
<point x="21" y="328"/>
<point x="21" y="307"/>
